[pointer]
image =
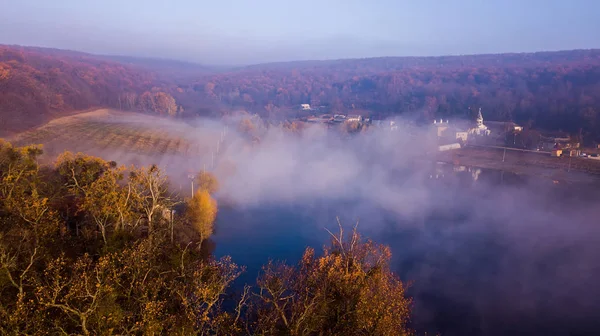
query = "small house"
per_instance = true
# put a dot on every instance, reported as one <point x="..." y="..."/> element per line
<point x="354" y="117"/>
<point x="571" y="152"/>
<point x="444" y="148"/>
<point x="463" y="136"/>
<point x="339" y="118"/>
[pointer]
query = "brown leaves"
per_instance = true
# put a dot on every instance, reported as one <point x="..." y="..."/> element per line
<point x="348" y="291"/>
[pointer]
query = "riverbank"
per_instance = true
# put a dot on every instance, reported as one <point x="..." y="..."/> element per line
<point x="540" y="164"/>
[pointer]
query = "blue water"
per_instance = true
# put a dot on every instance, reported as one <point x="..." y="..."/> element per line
<point x="474" y="267"/>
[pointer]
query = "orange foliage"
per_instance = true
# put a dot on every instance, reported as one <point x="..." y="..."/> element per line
<point x="36" y="84"/>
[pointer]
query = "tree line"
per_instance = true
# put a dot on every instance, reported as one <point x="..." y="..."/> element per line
<point x="548" y="91"/>
<point x="91" y="247"/>
<point x="557" y="91"/>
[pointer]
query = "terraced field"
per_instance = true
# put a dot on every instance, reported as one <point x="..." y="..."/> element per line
<point x="129" y="138"/>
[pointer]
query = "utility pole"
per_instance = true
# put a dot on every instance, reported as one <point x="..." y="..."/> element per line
<point x="569" y="168"/>
<point x="172" y="215"/>
<point x="191" y="177"/>
<point x="504" y="155"/>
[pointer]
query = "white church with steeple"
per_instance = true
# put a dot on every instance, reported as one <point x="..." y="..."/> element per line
<point x="480" y="128"/>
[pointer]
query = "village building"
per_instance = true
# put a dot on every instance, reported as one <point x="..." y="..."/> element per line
<point x="503" y="127"/>
<point x="440" y="127"/>
<point x="384" y="124"/>
<point x="354" y="117"/>
<point x="324" y="118"/>
<point x="480" y="128"/>
<point x="449" y="132"/>
<point x="462" y="136"/>
<point x="339" y="118"/>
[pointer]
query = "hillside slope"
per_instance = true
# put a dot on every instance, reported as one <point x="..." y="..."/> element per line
<point x="38" y="84"/>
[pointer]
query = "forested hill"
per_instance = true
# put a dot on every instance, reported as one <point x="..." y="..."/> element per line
<point x="548" y="90"/>
<point x="551" y="90"/>
<point x="38" y="84"/>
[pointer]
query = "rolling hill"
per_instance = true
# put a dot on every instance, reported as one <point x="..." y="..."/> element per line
<point x="546" y="90"/>
<point x="37" y="85"/>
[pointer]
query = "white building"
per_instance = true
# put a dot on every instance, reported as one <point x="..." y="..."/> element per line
<point x="354" y="117"/>
<point x="339" y="118"/>
<point x="305" y="106"/>
<point x="480" y="128"/>
<point x="463" y="136"/>
<point x="448" y="147"/>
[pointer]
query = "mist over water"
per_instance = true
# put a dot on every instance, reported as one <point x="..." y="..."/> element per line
<point x="486" y="253"/>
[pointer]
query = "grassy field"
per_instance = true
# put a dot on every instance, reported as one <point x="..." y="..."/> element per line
<point x="102" y="129"/>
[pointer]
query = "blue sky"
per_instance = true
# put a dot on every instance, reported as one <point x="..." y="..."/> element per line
<point x="256" y="31"/>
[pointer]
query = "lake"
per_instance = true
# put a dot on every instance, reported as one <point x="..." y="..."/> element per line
<point x="485" y="252"/>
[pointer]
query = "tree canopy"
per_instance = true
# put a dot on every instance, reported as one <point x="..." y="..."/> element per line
<point x="88" y="247"/>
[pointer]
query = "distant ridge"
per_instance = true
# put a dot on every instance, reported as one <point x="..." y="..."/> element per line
<point x="164" y="66"/>
<point x="400" y="62"/>
<point x="169" y="64"/>
<point x="554" y="90"/>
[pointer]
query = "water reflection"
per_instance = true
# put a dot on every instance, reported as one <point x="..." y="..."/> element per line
<point x="442" y="169"/>
<point x="492" y="253"/>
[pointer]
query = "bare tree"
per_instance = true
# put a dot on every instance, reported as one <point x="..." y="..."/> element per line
<point x="150" y="193"/>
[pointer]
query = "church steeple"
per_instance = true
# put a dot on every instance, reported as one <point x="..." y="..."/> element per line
<point x="479" y="118"/>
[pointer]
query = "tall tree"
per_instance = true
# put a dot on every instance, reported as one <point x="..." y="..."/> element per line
<point x="202" y="212"/>
<point x="165" y="104"/>
<point x="110" y="204"/>
<point x="150" y="194"/>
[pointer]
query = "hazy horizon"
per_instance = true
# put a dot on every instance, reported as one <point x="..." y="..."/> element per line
<point x="239" y="33"/>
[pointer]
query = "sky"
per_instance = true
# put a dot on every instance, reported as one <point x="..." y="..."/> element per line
<point x="235" y="32"/>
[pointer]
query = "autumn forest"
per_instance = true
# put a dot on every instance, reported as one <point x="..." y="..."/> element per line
<point x="547" y="90"/>
<point x="90" y="246"/>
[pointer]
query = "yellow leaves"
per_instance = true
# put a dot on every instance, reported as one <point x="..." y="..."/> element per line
<point x="207" y="181"/>
<point x="202" y="212"/>
<point x="165" y="104"/>
<point x="4" y="71"/>
<point x="79" y="170"/>
<point x="149" y="285"/>
<point x="18" y="168"/>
